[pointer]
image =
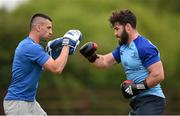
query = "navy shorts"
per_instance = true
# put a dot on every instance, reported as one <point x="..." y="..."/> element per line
<point x="147" y="105"/>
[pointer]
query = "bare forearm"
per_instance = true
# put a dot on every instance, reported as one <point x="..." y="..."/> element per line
<point x="99" y="62"/>
<point x="104" y="61"/>
<point x="156" y="75"/>
<point x="61" y="61"/>
<point x="153" y="80"/>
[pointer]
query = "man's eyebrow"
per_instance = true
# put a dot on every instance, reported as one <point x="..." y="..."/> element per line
<point x="49" y="26"/>
<point x="115" y="27"/>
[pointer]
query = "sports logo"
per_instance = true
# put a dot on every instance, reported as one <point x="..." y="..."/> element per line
<point x="129" y="90"/>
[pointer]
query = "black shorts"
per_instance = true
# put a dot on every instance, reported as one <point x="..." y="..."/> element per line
<point x="147" y="105"/>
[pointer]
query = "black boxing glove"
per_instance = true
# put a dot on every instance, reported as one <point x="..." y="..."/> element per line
<point x="88" y="51"/>
<point x="130" y="89"/>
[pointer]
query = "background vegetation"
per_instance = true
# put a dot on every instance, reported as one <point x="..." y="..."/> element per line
<point x="81" y="88"/>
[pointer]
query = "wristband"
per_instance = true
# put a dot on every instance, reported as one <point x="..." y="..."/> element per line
<point x="142" y="86"/>
<point x="65" y="42"/>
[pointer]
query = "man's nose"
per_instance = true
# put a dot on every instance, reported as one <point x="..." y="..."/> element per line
<point x="115" y="33"/>
<point x="51" y="33"/>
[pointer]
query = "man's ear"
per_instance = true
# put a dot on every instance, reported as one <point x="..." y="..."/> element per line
<point x="128" y="27"/>
<point x="38" y="27"/>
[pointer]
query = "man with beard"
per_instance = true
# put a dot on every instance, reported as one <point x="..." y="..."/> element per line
<point x="140" y="60"/>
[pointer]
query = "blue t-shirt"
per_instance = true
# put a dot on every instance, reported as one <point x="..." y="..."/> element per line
<point x="136" y="58"/>
<point x="26" y="69"/>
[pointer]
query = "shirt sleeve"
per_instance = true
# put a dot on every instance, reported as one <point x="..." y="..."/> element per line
<point x="116" y="54"/>
<point x="148" y="53"/>
<point x="36" y="53"/>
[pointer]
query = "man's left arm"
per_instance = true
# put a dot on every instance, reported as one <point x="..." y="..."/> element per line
<point x="156" y="74"/>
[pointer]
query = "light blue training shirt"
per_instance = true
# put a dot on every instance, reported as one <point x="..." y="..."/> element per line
<point x="26" y="69"/>
<point x="136" y="58"/>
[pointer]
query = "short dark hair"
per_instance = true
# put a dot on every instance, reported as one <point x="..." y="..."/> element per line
<point x="123" y="17"/>
<point x="39" y="15"/>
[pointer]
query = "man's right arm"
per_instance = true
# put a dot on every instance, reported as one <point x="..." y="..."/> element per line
<point x="57" y="65"/>
<point x="67" y="45"/>
<point x="100" y="61"/>
<point x="104" y="61"/>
